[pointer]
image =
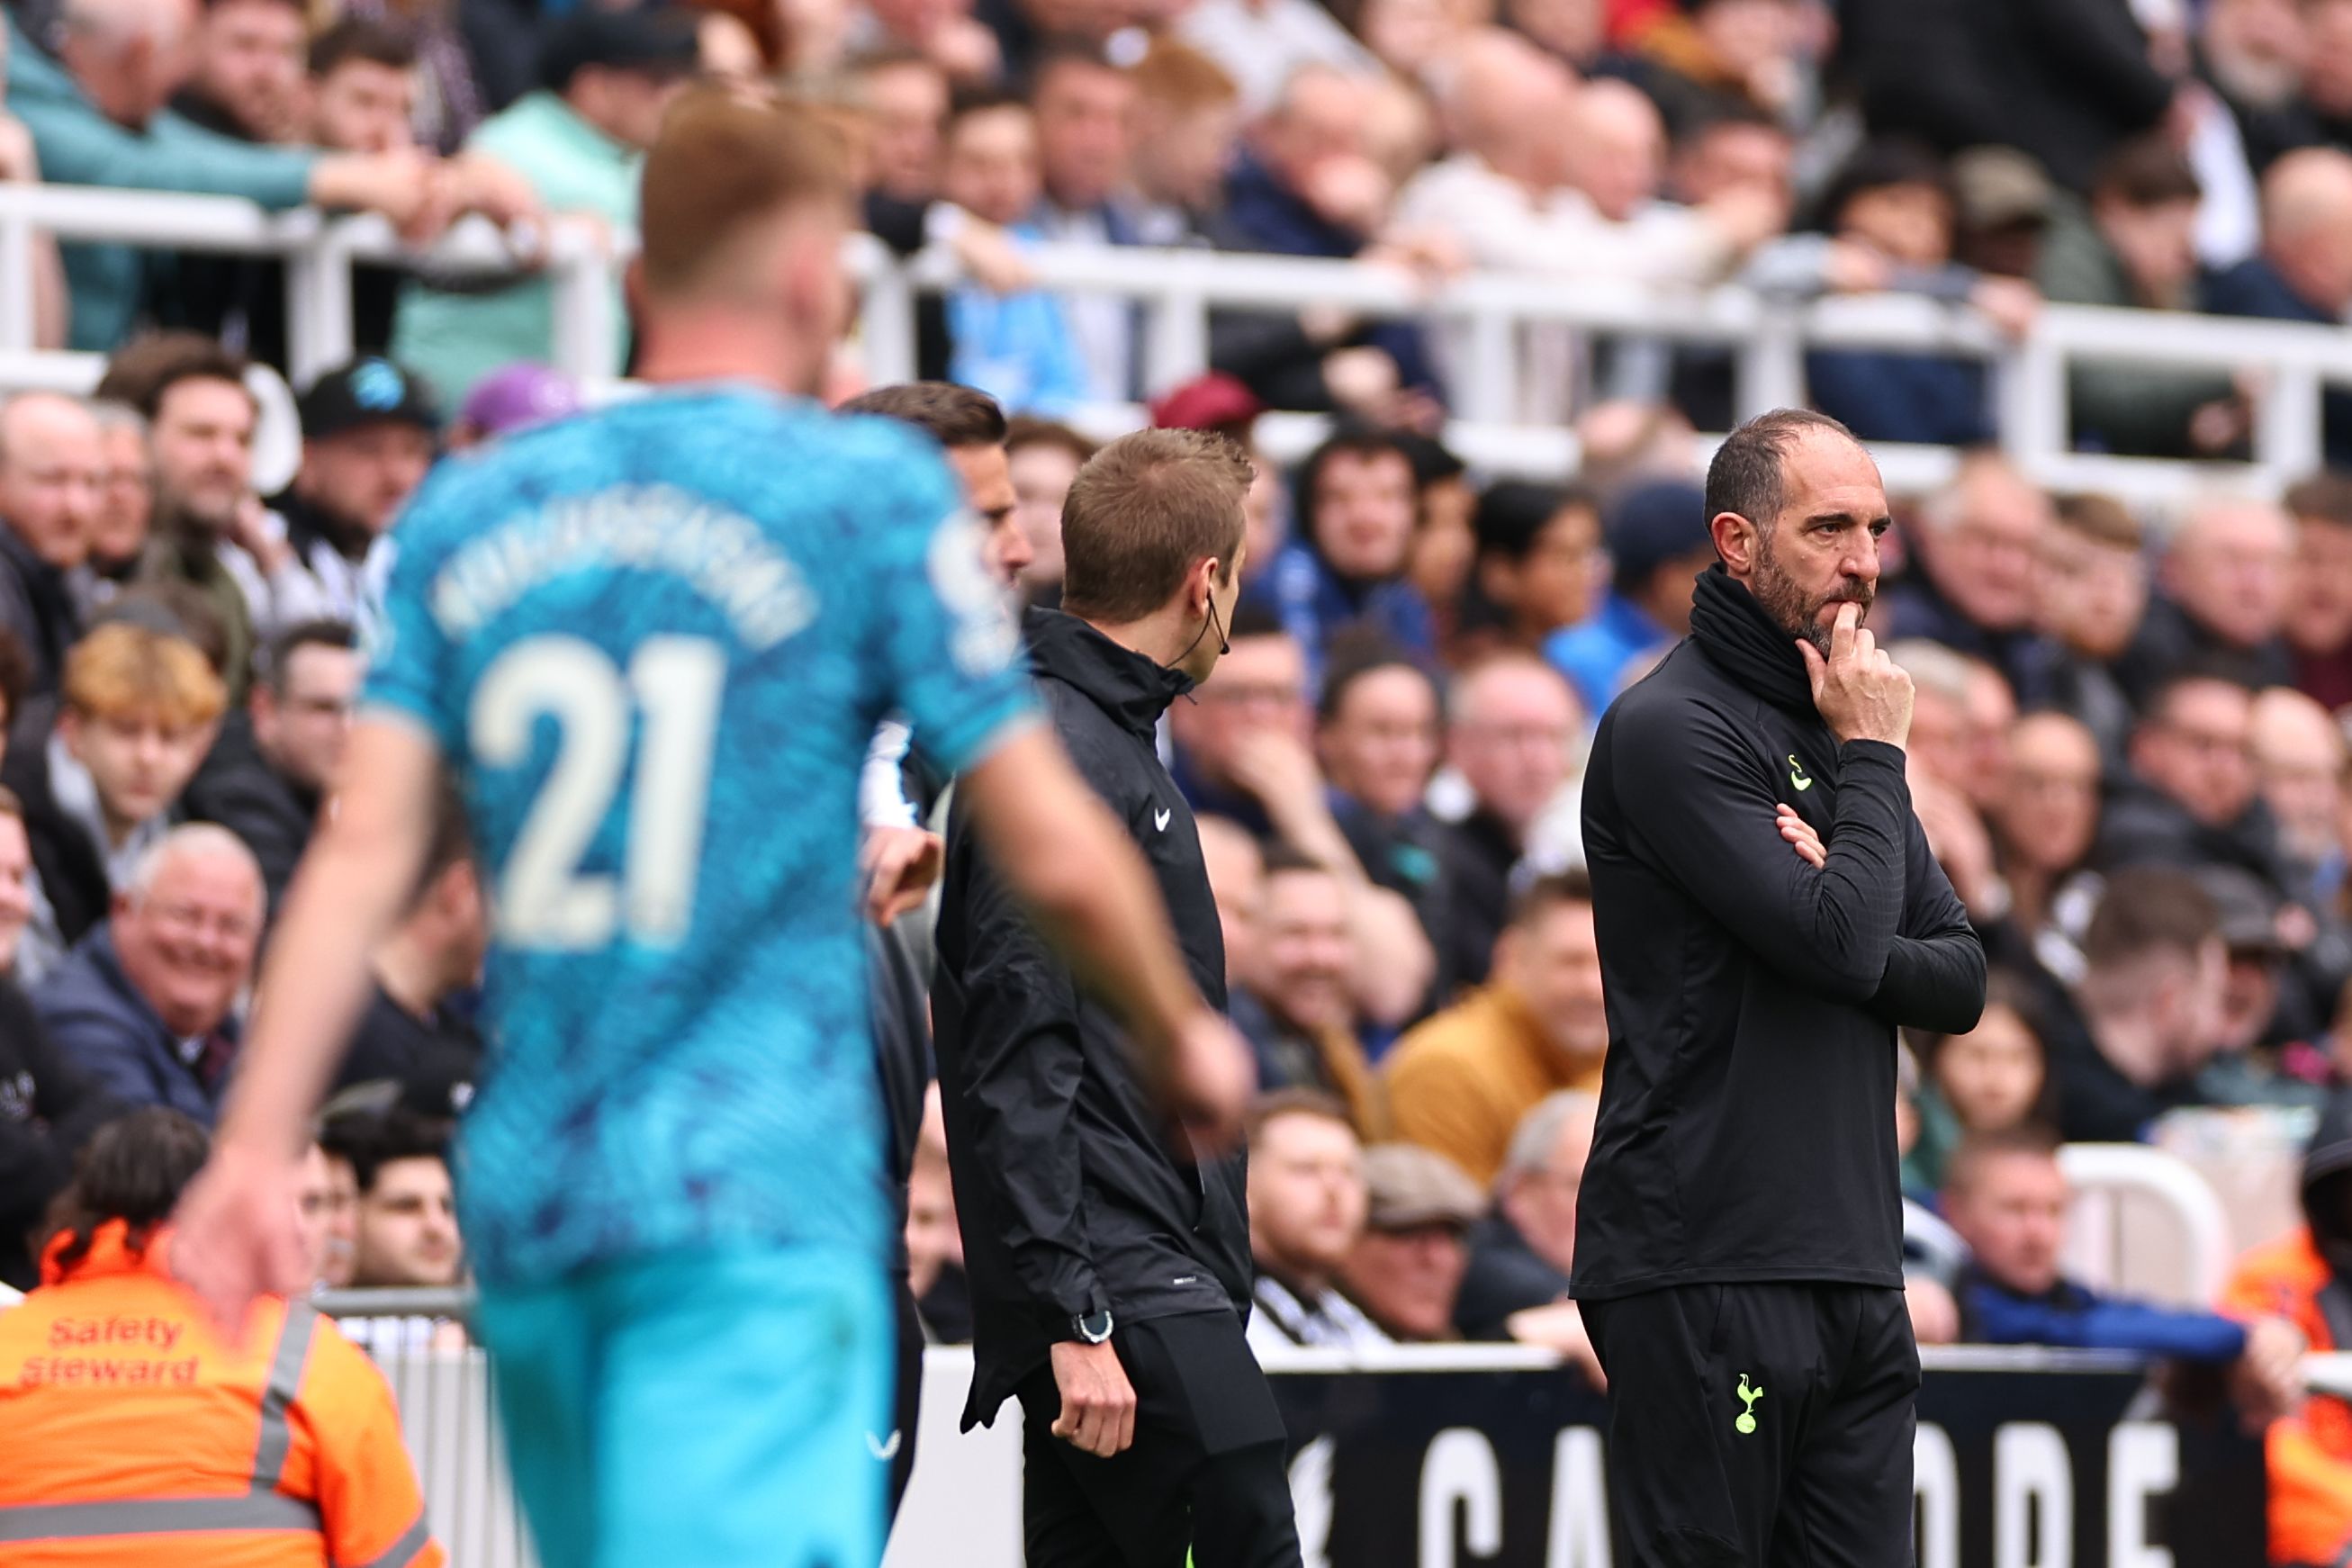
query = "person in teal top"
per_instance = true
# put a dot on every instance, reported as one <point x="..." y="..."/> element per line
<point x="96" y="112"/>
<point x="606" y="77"/>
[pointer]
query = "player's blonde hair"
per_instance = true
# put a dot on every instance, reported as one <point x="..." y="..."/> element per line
<point x="723" y="164"/>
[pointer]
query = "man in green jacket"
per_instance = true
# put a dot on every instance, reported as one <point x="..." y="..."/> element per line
<point x="96" y="110"/>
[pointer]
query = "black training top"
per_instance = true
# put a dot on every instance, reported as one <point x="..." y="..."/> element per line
<point x="1746" y="1125"/>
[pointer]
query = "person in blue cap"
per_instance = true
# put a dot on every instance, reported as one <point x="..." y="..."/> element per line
<point x="1657" y="533"/>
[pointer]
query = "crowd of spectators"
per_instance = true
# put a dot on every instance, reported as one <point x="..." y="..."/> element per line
<point x="2128" y="748"/>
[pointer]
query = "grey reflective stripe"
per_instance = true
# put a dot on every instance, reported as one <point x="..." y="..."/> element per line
<point x="278" y="1394"/>
<point x="398" y="1554"/>
<point x="156" y="1516"/>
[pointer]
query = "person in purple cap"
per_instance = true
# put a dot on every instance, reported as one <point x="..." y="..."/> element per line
<point x="512" y="399"/>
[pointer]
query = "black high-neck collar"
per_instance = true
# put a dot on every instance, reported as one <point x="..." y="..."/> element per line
<point x="1131" y="687"/>
<point x="1732" y="629"/>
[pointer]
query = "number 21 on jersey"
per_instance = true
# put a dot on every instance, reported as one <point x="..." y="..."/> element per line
<point x="673" y="685"/>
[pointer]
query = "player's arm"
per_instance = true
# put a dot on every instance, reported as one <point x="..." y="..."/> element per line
<point x="237" y="1236"/>
<point x="1090" y="892"/>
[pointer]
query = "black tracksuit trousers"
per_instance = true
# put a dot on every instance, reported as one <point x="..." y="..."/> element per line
<point x="1760" y="1425"/>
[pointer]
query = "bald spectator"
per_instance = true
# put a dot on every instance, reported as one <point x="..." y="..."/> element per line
<point x="2319" y="592"/>
<point x="1520" y="1253"/>
<point x="2303" y="271"/>
<point x="51" y="467"/>
<point x="1655" y="534"/>
<point x="1405" y="1271"/>
<point x="1977" y="548"/>
<point x="138" y="708"/>
<point x="1460" y="1082"/>
<point x="2225" y="583"/>
<point x="146" y="1004"/>
<point x="1308" y="183"/>
<point x="1306" y="1207"/>
<point x="1513" y="722"/>
<point x="2299" y="761"/>
<point x="96" y="110"/>
<point x="2044" y="825"/>
<point x="2193" y="796"/>
<point x="1295" y="1002"/>
<point x="2090" y="594"/>
<point x="1085" y="109"/>
<point x="126" y="506"/>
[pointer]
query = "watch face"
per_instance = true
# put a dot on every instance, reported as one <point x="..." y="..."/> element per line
<point x="1094" y="1327"/>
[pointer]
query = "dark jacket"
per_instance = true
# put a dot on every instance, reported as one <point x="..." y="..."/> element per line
<point x="1933" y="399"/>
<point x="2141" y="826"/>
<point x="36" y="607"/>
<point x="2077" y="1318"/>
<point x="1315" y="604"/>
<point x="48" y="1107"/>
<point x="1916" y="608"/>
<point x="106" y="1028"/>
<point x="435" y="1059"/>
<point x="2170" y="640"/>
<point x="2253" y="287"/>
<point x="72" y="872"/>
<point x="1478" y="853"/>
<point x="236" y="787"/>
<point x="1746" y="1126"/>
<point x="1505" y="1277"/>
<point x="1071" y="1195"/>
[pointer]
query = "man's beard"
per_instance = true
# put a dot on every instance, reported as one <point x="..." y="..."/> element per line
<point x="1790" y="608"/>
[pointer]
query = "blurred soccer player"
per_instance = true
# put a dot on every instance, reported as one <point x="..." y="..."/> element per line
<point x="653" y="642"/>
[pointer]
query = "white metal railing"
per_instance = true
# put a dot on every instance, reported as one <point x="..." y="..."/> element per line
<point x="1177" y="290"/>
<point x="2106" y="1177"/>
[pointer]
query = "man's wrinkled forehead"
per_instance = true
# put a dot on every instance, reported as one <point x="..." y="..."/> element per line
<point x="1827" y="474"/>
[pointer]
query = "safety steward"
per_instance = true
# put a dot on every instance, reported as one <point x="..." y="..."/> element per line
<point x="133" y="1432"/>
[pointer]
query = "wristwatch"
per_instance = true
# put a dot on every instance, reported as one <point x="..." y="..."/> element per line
<point x="1093" y="1326"/>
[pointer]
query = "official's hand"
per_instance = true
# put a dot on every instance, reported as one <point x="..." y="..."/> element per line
<point x="1097" y="1402"/>
<point x="2268" y="1381"/>
<point x="1934" y="1316"/>
<point x="237" y="1235"/>
<point x="1860" y="692"/>
<point x="901" y="864"/>
<point x="1211" y="1077"/>
<point x="1559" y="1326"/>
<point x="1801" y="837"/>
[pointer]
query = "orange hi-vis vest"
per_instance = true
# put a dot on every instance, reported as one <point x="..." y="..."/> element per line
<point x="132" y="1433"/>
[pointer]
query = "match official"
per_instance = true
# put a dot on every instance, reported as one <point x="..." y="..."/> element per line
<point x="1109" y="1269"/>
<point x="1769" y="914"/>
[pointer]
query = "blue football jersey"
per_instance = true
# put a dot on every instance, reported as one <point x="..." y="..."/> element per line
<point x="655" y="642"/>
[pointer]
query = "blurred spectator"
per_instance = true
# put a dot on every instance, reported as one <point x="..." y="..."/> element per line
<point x="1459" y="1083"/>
<point x="1295" y="1002"/>
<point x="51" y="466"/>
<point x="369" y="430"/>
<point x="1893" y="218"/>
<point x="2007" y="1197"/>
<point x="126" y="504"/>
<point x="1961" y="717"/>
<point x="407" y="1215"/>
<point x="942" y="32"/>
<point x="470" y="62"/>
<point x="1521" y="1252"/>
<point x="1307" y="1207"/>
<point x="1377" y="734"/>
<point x="2252" y="53"/>
<point x="2149" y="1001"/>
<point x="2090" y="594"/>
<point x="48" y="1106"/>
<point x="1236" y="869"/>
<point x="1260" y="686"/>
<point x="1266" y="45"/>
<point x="2006" y="204"/>
<point x="520" y="397"/>
<point x="1994" y="1078"/>
<point x="2299" y="763"/>
<point x="362" y="87"/>
<point x="1085" y="109"/>
<point x="2304" y="272"/>
<point x="1512" y="723"/>
<point x="2303" y="1277"/>
<point x="605" y="79"/>
<point x="1724" y="56"/>
<point x="1445" y="542"/>
<point x="96" y="114"/>
<point x="145" y="1004"/>
<point x="2192" y="797"/>
<point x="904" y="96"/>
<point x="1978" y="544"/>
<point x="935" y="1275"/>
<point x="2225" y="581"/>
<point x="1657" y="544"/>
<point x="2043" y="828"/>
<point x="1188" y="128"/>
<point x="2319" y="591"/>
<point x="1405" y="1270"/>
<point x="1541" y="565"/>
<point x="1345" y="567"/>
<point x="1043" y="459"/>
<point x="211" y="531"/>
<point x="274" y="1421"/>
<point x="246" y="81"/>
<point x="1575" y="31"/>
<point x="2137" y="247"/>
<point x="1307" y="185"/>
<point x="269" y="772"/>
<point x="1016" y="346"/>
<point x="2259" y="994"/>
<point x="138" y="709"/>
<point x="328" y="1212"/>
